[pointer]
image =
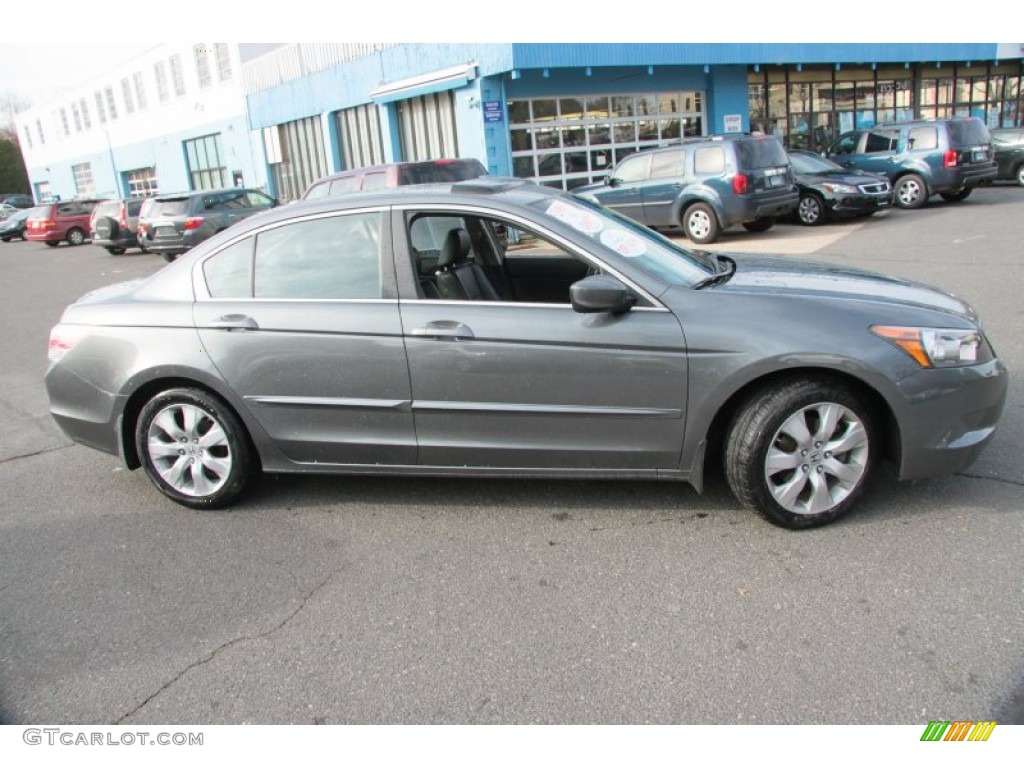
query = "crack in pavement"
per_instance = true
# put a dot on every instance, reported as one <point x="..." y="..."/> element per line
<point x="36" y="453"/>
<point x="990" y="477"/>
<point x="209" y="656"/>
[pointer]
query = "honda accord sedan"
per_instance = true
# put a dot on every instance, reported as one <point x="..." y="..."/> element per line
<point x="499" y="328"/>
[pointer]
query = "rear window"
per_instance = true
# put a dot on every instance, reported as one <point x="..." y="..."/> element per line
<point x="40" y="212"/>
<point x="134" y="206"/>
<point x="113" y="208"/>
<point x="175" y="206"/>
<point x="440" y="171"/>
<point x="968" y="133"/>
<point x="760" y="153"/>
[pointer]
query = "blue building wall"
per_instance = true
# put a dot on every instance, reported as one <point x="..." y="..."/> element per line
<point x="166" y="154"/>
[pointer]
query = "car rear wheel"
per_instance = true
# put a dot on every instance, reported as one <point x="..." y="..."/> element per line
<point x="910" y="191"/>
<point x="194" y="449"/>
<point x="700" y="224"/>
<point x="76" y="236"/>
<point x="53" y="243"/>
<point x="955" y="197"/>
<point x="115" y="251"/>
<point x="169" y="257"/>
<point x="800" y="454"/>
<point x="759" y="225"/>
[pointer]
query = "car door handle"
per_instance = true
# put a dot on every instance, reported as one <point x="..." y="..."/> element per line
<point x="235" y="323"/>
<point x="441" y="330"/>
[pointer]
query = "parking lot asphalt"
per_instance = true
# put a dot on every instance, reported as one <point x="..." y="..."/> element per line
<point x="420" y="600"/>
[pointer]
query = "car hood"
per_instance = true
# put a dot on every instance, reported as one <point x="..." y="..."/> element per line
<point x="779" y="275"/>
<point x="853" y="178"/>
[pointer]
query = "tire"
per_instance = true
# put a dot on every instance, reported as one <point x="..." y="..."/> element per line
<point x="955" y="197"/>
<point x="700" y="224"/>
<point x="781" y="456"/>
<point x="75" y="236"/>
<point x="115" y="251"/>
<point x="1019" y="175"/>
<point x="106" y="228"/>
<point x="5" y="239"/>
<point x="810" y="210"/>
<point x="169" y="257"/>
<point x="181" y="429"/>
<point x="759" y="225"/>
<point x="53" y="243"/>
<point x="910" y="191"/>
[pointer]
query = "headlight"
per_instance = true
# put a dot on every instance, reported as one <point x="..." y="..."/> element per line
<point x="937" y="347"/>
<point x="843" y="189"/>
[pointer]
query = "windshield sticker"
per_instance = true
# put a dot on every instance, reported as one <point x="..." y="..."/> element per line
<point x="623" y="243"/>
<point x="579" y="219"/>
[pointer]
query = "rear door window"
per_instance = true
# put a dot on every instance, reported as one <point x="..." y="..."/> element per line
<point x="882" y="141"/>
<point x="926" y="137"/>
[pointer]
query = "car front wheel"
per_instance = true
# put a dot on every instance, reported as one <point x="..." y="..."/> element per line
<point x="800" y="454"/>
<point x="1019" y="176"/>
<point x="811" y="211"/>
<point x="700" y="224"/>
<point x="194" y="449"/>
<point x="910" y="191"/>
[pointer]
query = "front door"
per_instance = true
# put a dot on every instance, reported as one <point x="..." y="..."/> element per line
<point x="525" y="382"/>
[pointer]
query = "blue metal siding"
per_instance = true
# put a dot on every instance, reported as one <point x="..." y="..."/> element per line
<point x="575" y="82"/>
<point x="538" y="55"/>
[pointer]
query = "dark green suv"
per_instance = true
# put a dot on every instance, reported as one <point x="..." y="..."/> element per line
<point x="947" y="157"/>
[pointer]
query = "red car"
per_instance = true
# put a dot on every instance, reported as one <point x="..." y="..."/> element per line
<point x="66" y="220"/>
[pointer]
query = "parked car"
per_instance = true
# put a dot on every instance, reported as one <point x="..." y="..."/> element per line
<point x="174" y="223"/>
<point x="704" y="185"/>
<point x="66" y="220"/>
<point x="7" y="210"/>
<point x="14" y="226"/>
<point x="18" y="201"/>
<point x="114" y="225"/>
<point x="829" y="191"/>
<point x="1008" y="146"/>
<point x="444" y="170"/>
<point x="921" y="158"/>
<point x="333" y="336"/>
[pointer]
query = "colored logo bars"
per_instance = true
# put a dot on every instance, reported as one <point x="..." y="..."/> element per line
<point x="958" y="730"/>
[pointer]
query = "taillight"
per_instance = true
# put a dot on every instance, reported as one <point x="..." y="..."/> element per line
<point x="62" y="339"/>
<point x="740" y="183"/>
<point x="46" y="224"/>
<point x="949" y="159"/>
<point x="194" y="222"/>
<point x="124" y="217"/>
<point x="143" y="228"/>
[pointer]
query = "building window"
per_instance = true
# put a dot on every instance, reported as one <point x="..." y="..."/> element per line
<point x="569" y="141"/>
<point x="100" y="109"/>
<point x="223" y="61"/>
<point x="427" y="127"/>
<point x="77" y="116"/>
<point x="64" y="121"/>
<point x="141" y="182"/>
<point x="111" y="107"/>
<point x="84" y="105"/>
<point x="126" y="92"/>
<point x="206" y="166"/>
<point x="28" y="136"/>
<point x="178" y="75"/>
<point x="160" y="70"/>
<point x="140" y="90"/>
<point x="296" y="154"/>
<point x="83" y="179"/>
<point x="39" y="130"/>
<point x="360" y="136"/>
<point x="202" y="52"/>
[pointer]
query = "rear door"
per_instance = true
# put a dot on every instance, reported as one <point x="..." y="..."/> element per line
<point x="667" y="179"/>
<point x="765" y="164"/>
<point x="301" y="319"/>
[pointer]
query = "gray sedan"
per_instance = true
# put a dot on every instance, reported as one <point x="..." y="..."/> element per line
<point x="498" y="328"/>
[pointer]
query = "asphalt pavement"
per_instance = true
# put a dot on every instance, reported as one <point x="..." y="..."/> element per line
<point x="423" y="600"/>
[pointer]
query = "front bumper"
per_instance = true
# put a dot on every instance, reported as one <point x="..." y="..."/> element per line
<point x="948" y="416"/>
<point x="851" y="205"/>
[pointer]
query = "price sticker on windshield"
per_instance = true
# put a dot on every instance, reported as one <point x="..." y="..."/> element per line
<point x="623" y="243"/>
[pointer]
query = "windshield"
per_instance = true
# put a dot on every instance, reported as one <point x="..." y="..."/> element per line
<point x="649" y="251"/>
<point x="812" y="164"/>
<point x="968" y="132"/>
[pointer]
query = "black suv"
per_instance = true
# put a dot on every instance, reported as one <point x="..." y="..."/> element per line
<point x="1008" y="144"/>
<point x="946" y="157"/>
<point x="172" y="224"/>
<point x="703" y="185"/>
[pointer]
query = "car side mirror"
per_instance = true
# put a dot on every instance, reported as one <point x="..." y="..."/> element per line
<point x="611" y="181"/>
<point x="601" y="293"/>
